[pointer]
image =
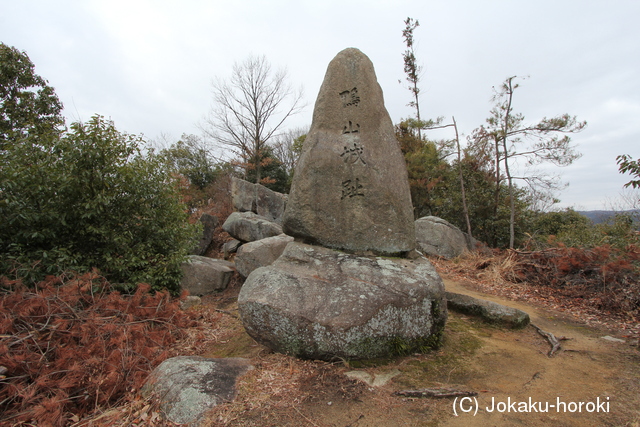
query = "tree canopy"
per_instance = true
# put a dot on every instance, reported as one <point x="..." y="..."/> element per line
<point x="27" y="103"/>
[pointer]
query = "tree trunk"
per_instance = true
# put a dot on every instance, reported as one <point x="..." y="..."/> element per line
<point x="496" y="198"/>
<point x="465" y="209"/>
<point x="512" y="215"/>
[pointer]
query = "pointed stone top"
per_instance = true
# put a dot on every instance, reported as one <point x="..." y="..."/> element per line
<point x="350" y="190"/>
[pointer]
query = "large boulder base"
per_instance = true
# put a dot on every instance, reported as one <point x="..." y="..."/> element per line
<point x="436" y="236"/>
<point x="260" y="253"/>
<point x="203" y="275"/>
<point x="188" y="386"/>
<point x="249" y="227"/>
<point x="350" y="190"/>
<point x="314" y="302"/>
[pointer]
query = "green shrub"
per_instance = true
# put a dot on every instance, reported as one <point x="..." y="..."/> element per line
<point x="90" y="198"/>
<point x="573" y="229"/>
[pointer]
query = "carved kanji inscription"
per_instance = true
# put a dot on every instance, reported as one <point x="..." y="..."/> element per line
<point x="350" y="98"/>
<point x="352" y="153"/>
<point x="351" y="188"/>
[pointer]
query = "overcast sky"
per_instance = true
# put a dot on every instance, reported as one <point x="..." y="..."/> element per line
<point x="148" y="64"/>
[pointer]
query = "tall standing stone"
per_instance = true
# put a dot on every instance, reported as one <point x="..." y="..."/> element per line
<point x="351" y="190"/>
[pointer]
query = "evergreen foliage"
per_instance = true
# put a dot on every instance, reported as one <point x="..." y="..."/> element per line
<point x="274" y="173"/>
<point x="28" y="105"/>
<point x="435" y="189"/>
<point x="190" y="158"/>
<point x="90" y="198"/>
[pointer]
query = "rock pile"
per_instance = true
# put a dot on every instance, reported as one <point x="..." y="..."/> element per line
<point x="328" y="295"/>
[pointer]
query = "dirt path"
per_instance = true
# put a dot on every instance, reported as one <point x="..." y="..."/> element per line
<point x="590" y="382"/>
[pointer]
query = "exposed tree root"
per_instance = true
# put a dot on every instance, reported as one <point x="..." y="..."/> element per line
<point x="553" y="341"/>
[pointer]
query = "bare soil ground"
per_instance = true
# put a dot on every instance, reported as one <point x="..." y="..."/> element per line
<point x="501" y="365"/>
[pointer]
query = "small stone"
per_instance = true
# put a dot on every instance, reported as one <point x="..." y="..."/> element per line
<point x="190" y="301"/>
<point x="249" y="197"/>
<point x="612" y="339"/>
<point x="230" y="247"/>
<point x="363" y="376"/>
<point x="382" y="379"/>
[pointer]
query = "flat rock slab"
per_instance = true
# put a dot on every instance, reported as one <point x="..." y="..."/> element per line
<point x="351" y="189"/>
<point x="488" y="311"/>
<point x="314" y="302"/>
<point x="249" y="227"/>
<point x="188" y="386"/>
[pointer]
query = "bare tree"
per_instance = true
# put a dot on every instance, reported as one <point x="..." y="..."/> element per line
<point x="287" y="147"/>
<point x="250" y="108"/>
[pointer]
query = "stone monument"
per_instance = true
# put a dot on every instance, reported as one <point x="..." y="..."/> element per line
<point x="328" y="296"/>
<point x="351" y="189"/>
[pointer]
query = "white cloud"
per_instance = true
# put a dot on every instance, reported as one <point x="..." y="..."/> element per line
<point x="148" y="64"/>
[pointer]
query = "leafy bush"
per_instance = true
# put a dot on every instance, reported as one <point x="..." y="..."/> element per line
<point x="68" y="348"/>
<point x="90" y="198"/>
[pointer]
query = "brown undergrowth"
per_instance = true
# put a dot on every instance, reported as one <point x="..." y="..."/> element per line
<point x="73" y="347"/>
<point x="599" y="285"/>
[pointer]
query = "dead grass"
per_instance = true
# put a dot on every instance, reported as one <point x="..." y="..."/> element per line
<point x="500" y="274"/>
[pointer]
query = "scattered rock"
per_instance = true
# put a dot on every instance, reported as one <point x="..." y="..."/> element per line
<point x="436" y="236"/>
<point x="612" y="339"/>
<point x="488" y="311"/>
<point x="190" y="301"/>
<point x="188" y="386"/>
<point x="270" y="204"/>
<point x="256" y="198"/>
<point x="209" y="223"/>
<point x="314" y="302"/>
<point x="375" y="380"/>
<point x="230" y="247"/>
<point x="202" y="275"/>
<point x="260" y="253"/>
<point x="249" y="227"/>
<point x="243" y="195"/>
<point x="351" y="190"/>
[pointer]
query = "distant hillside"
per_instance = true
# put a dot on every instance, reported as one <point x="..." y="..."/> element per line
<point x="602" y="216"/>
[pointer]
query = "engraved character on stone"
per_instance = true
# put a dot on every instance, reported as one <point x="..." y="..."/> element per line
<point x="353" y="154"/>
<point x="350" y="128"/>
<point x="351" y="188"/>
<point x="350" y="97"/>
